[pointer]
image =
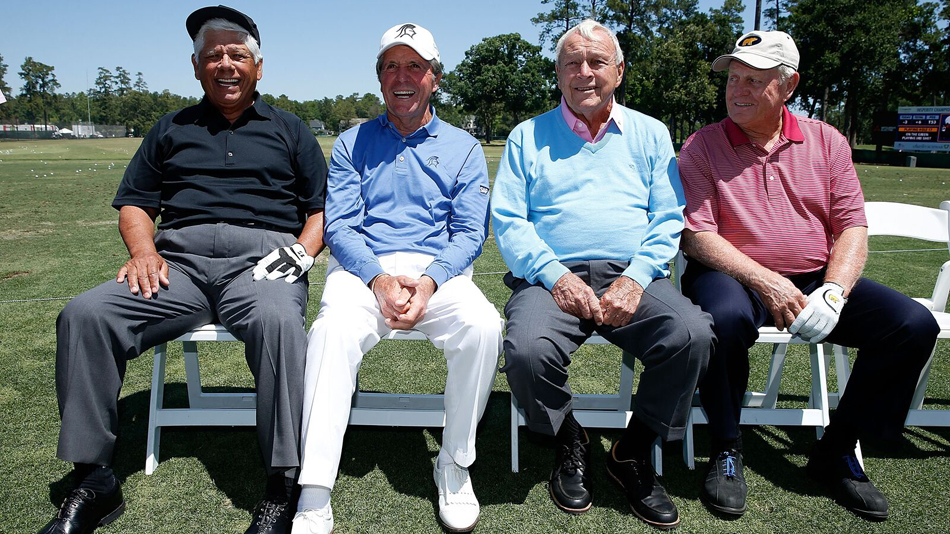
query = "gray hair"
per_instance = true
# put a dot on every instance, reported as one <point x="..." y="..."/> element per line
<point x="226" y="25"/>
<point x="784" y="73"/>
<point x="434" y="63"/>
<point x="587" y="28"/>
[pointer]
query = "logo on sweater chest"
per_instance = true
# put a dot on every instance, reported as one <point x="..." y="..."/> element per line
<point x="433" y="161"/>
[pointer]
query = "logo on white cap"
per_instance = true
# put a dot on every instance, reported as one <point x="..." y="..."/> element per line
<point x="406" y="30"/>
<point x="761" y="50"/>
<point x="413" y="36"/>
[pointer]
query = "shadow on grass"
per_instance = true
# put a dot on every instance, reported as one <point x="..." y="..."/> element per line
<point x="230" y="454"/>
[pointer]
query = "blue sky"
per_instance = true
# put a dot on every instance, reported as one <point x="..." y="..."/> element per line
<point x="311" y="49"/>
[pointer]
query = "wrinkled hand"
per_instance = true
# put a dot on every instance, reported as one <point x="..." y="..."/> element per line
<point x="620" y="301"/>
<point x="420" y="291"/>
<point x="819" y="318"/>
<point x="144" y="272"/>
<point x="392" y="297"/>
<point x="783" y="300"/>
<point x="289" y="263"/>
<point x="575" y="297"/>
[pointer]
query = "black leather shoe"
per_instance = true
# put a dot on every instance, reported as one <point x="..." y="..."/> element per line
<point x="271" y="517"/>
<point x="83" y="511"/>
<point x="725" y="489"/>
<point x="851" y="488"/>
<point x="647" y="497"/>
<point x="570" y="480"/>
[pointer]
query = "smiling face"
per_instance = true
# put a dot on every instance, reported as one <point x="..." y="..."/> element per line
<point x="227" y="72"/>
<point x="754" y="97"/>
<point x="588" y="74"/>
<point x="407" y="83"/>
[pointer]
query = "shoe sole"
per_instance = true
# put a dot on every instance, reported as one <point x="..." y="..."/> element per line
<point x="112" y="516"/>
<point x="454" y="529"/>
<point x="733" y="513"/>
<point x="655" y="524"/>
<point x="574" y="511"/>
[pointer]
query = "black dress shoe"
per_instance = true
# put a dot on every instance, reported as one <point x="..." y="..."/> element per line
<point x="645" y="494"/>
<point x="83" y="511"/>
<point x="850" y="486"/>
<point x="271" y="517"/>
<point x="570" y="480"/>
<point x="725" y="489"/>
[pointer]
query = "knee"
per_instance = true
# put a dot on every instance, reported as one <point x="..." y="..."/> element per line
<point x="275" y="317"/>
<point x="81" y="311"/>
<point x="484" y="324"/>
<point x="920" y="329"/>
<point x="524" y="351"/>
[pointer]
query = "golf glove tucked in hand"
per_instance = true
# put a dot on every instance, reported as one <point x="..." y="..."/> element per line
<point x="820" y="316"/>
<point x="285" y="262"/>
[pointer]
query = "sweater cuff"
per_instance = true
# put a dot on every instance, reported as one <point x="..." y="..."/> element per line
<point x="641" y="273"/>
<point x="369" y="270"/>
<point x="552" y="273"/>
<point x="437" y="273"/>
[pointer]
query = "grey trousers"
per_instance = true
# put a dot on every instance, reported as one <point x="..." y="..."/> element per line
<point x="210" y="280"/>
<point x="671" y="336"/>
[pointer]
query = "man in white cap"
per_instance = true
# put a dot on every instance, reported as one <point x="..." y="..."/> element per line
<point x="776" y="235"/>
<point x="409" y="196"/>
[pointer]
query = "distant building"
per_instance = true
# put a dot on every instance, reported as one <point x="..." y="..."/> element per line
<point x="318" y="127"/>
<point x="346" y="124"/>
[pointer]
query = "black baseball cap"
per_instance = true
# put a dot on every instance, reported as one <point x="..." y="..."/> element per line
<point x="199" y="17"/>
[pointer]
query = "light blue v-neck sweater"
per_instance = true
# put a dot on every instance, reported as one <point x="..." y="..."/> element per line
<point x="558" y="198"/>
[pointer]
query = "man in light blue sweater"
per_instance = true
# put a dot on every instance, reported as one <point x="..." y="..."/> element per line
<point x="588" y="211"/>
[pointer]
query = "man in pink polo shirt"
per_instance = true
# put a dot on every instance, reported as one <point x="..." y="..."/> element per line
<point x="776" y="235"/>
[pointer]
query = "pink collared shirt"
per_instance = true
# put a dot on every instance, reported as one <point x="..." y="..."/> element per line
<point x="577" y="126"/>
<point x="781" y="207"/>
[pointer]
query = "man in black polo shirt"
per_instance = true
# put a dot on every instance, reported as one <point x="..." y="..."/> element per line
<point x="239" y="186"/>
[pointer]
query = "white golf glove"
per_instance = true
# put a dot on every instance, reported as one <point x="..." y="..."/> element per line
<point x="288" y="263"/>
<point x="821" y="314"/>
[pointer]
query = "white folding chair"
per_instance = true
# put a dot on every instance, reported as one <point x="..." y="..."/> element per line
<point x="760" y="407"/>
<point x="594" y="411"/>
<point x="927" y="224"/>
<point x="239" y="409"/>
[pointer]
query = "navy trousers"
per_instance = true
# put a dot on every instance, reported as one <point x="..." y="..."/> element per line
<point x="893" y="334"/>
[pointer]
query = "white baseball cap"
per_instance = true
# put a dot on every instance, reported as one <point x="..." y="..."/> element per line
<point x="761" y="50"/>
<point x="413" y="36"/>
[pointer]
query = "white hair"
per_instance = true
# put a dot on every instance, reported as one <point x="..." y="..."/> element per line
<point x="226" y="25"/>
<point x="784" y="73"/>
<point x="587" y="28"/>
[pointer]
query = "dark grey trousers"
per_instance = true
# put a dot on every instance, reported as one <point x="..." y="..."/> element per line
<point x="210" y="280"/>
<point x="670" y="335"/>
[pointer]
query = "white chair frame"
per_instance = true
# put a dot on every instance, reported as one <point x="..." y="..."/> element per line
<point x="927" y="224"/>
<point x="760" y="407"/>
<point x="594" y="411"/>
<point x="239" y="409"/>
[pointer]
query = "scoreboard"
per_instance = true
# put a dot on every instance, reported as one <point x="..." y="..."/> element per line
<point x="923" y="129"/>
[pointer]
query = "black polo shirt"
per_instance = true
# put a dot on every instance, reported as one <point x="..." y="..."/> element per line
<point x="196" y="167"/>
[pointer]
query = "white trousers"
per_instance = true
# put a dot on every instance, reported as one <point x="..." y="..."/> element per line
<point x="459" y="320"/>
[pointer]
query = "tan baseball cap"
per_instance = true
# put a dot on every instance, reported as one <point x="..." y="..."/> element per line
<point x="413" y="36"/>
<point x="761" y="50"/>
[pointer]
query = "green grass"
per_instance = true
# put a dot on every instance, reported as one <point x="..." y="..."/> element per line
<point x="58" y="237"/>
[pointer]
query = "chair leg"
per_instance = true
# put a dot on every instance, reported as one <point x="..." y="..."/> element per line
<point x="918" y="400"/>
<point x="514" y="433"/>
<point x="658" y="456"/>
<point x="842" y="370"/>
<point x="689" y="456"/>
<point x="776" y="366"/>
<point x="192" y="374"/>
<point x="156" y="401"/>
<point x="819" y="385"/>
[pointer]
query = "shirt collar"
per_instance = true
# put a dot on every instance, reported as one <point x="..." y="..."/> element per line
<point x="259" y="108"/>
<point x="576" y="125"/>
<point x="431" y="128"/>
<point x="790" y="129"/>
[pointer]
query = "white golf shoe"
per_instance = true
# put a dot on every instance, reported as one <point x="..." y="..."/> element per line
<point x="458" y="507"/>
<point x="314" y="521"/>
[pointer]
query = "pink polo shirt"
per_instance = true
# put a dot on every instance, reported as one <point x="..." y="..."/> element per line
<point x="577" y="126"/>
<point x="782" y="207"/>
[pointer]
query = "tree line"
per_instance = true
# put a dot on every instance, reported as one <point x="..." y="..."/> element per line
<point x="859" y="59"/>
